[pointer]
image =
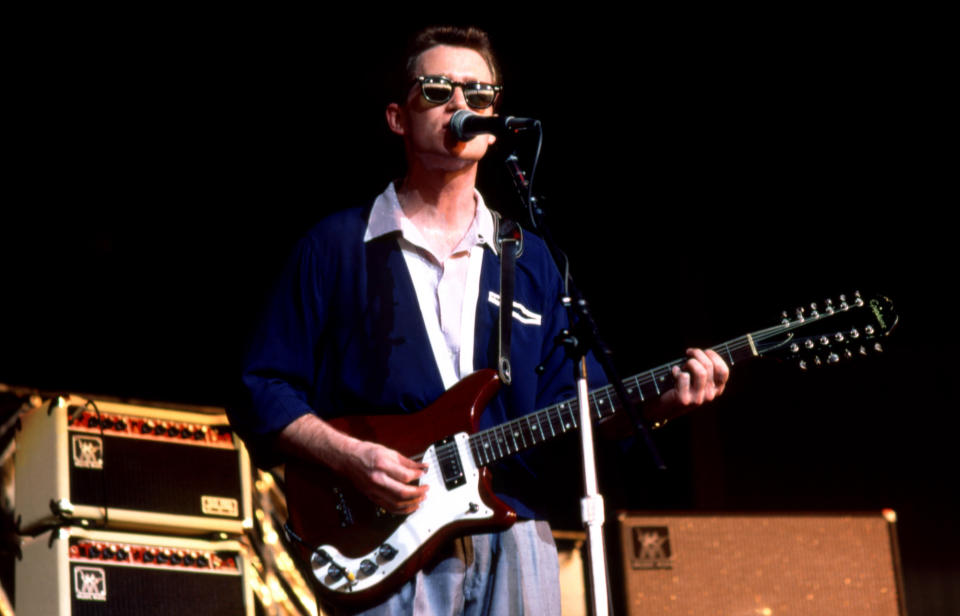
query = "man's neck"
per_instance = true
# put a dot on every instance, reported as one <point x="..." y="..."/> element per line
<point x="441" y="203"/>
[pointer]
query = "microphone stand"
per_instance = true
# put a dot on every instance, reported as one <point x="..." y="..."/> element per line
<point x="582" y="337"/>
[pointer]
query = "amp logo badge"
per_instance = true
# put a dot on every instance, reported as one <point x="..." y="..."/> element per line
<point x="87" y="452"/>
<point x="90" y="583"/>
<point x="651" y="548"/>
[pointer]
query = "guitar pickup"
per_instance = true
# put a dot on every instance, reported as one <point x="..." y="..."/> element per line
<point x="448" y="455"/>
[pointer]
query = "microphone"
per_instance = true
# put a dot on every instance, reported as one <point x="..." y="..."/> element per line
<point x="465" y="125"/>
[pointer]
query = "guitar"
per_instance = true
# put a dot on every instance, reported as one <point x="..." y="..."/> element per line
<point x="359" y="554"/>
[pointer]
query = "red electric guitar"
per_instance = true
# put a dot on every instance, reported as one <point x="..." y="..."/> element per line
<point x="359" y="553"/>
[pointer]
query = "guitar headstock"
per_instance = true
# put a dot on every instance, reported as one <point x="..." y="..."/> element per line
<point x="827" y="334"/>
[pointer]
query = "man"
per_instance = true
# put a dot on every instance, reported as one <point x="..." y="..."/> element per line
<point x="383" y="308"/>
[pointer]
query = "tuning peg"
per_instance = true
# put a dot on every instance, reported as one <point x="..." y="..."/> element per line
<point x="843" y="303"/>
<point x="813" y="310"/>
<point x="784" y="319"/>
<point x="859" y="300"/>
<point x="829" y="306"/>
<point x="800" y="314"/>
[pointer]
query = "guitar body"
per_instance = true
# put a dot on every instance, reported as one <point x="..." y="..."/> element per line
<point x="329" y="514"/>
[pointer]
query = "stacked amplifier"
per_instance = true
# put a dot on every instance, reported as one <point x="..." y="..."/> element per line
<point x="131" y="510"/>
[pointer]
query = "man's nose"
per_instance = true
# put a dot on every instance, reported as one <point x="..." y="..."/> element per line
<point x="457" y="100"/>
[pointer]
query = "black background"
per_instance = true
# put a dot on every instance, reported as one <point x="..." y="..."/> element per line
<point x="703" y="171"/>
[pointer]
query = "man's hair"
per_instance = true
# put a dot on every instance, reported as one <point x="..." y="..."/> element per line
<point x="469" y="37"/>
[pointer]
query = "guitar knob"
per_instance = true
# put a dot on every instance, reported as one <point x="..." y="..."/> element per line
<point x="854" y="333"/>
<point x="794" y="348"/>
<point x="878" y="348"/>
<point x="335" y="572"/>
<point x="833" y="358"/>
<point x="387" y="551"/>
<point x="824" y="341"/>
<point x="473" y="508"/>
<point x="319" y="558"/>
<point x="838" y="337"/>
<point x="367" y="567"/>
<point x="808" y="343"/>
<point x="869" y="330"/>
<point x="803" y="365"/>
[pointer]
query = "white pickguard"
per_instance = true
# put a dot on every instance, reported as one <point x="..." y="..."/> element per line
<point x="440" y="508"/>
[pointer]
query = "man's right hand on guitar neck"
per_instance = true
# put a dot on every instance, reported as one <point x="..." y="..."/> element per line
<point x="380" y="473"/>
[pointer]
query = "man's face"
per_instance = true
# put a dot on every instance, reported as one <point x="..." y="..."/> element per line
<point x="425" y="125"/>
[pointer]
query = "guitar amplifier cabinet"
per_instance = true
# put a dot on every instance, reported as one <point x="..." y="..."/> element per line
<point x="130" y="467"/>
<point x="79" y="572"/>
<point x="761" y="564"/>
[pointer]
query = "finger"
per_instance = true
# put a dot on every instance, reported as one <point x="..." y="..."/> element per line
<point x="397" y="497"/>
<point x="701" y="385"/>
<point x="681" y="379"/>
<point x="721" y="371"/>
<point x="411" y="464"/>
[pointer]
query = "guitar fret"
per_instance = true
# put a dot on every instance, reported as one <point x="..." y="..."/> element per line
<point x="729" y="354"/>
<point x="532" y="428"/>
<point x="523" y="440"/>
<point x="502" y="442"/>
<point x="636" y="379"/>
<point x="550" y="424"/>
<point x="654" y="377"/>
<point x="513" y="435"/>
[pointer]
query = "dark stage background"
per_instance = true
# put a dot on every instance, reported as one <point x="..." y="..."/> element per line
<point x="704" y="172"/>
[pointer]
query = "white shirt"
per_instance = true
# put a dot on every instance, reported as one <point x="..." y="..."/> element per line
<point x="447" y="289"/>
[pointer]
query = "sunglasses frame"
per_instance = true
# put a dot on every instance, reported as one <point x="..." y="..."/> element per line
<point x="463" y="88"/>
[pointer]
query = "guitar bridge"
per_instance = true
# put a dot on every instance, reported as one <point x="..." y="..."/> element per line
<point x="448" y="456"/>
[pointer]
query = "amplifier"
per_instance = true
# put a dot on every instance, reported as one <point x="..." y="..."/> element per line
<point x="762" y="564"/>
<point x="79" y="572"/>
<point x="130" y="467"/>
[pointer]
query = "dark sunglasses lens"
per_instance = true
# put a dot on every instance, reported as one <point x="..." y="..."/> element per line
<point x="479" y="96"/>
<point x="437" y="91"/>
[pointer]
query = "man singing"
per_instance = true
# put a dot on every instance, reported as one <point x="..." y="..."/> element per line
<point x="383" y="308"/>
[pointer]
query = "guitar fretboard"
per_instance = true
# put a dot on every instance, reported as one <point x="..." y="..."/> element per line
<point x="489" y="446"/>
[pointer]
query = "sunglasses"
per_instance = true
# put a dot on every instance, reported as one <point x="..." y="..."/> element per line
<point x="439" y="89"/>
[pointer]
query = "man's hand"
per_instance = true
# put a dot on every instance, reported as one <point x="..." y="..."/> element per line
<point x="384" y="476"/>
<point x="381" y="473"/>
<point x="701" y="379"/>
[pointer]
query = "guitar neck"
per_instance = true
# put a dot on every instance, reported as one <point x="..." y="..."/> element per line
<point x="494" y="444"/>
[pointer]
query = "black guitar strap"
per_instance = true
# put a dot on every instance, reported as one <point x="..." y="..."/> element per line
<point x="510" y="243"/>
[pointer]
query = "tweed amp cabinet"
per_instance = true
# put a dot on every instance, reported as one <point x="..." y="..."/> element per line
<point x="761" y="564"/>
<point x="79" y="572"/>
<point x="120" y="466"/>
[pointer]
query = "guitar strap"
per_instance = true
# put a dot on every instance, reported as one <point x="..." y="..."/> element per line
<point x="510" y="243"/>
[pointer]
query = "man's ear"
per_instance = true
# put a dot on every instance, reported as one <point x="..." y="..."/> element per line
<point x="396" y="118"/>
